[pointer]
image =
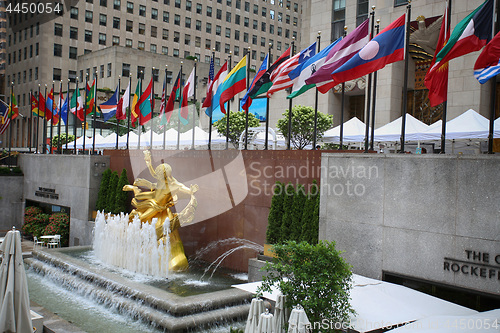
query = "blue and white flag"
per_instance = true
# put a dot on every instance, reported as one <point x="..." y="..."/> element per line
<point x="108" y="108"/>
<point x="64" y="110"/>
<point x="488" y="63"/>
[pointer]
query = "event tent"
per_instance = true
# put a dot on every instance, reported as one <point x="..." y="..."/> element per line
<point x="354" y="131"/>
<point x="392" y="130"/>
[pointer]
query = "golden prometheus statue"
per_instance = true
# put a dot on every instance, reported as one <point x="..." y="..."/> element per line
<point x="156" y="203"/>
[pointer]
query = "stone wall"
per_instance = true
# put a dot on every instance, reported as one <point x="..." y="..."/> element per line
<point x="75" y="179"/>
<point x="423" y="216"/>
<point x="11" y="203"/>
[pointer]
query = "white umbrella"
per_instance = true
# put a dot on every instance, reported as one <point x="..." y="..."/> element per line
<point x="279" y="321"/>
<point x="14" y="298"/>
<point x="256" y="308"/>
<point x="298" y="322"/>
<point x="265" y="323"/>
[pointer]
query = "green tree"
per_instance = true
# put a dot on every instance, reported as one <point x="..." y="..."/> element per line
<point x="310" y="218"/>
<point x="287" y="213"/>
<point x="59" y="141"/>
<point x="110" y="202"/>
<point x="299" y="201"/>
<point x="314" y="276"/>
<point x="121" y="196"/>
<point x="275" y="214"/>
<point x="102" y="195"/>
<point x="236" y="125"/>
<point x="303" y="125"/>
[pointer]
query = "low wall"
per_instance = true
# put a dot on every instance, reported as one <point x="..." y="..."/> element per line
<point x="11" y="203"/>
<point x="430" y="217"/>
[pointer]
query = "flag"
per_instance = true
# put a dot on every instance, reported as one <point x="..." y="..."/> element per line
<point x="488" y="63"/>
<point x="264" y="83"/>
<point x="144" y="104"/>
<point x="163" y="101"/>
<point x="387" y="47"/>
<point x="133" y="112"/>
<point x="339" y="55"/>
<point x="123" y="103"/>
<point x="234" y="83"/>
<point x="469" y="35"/>
<point x="437" y="83"/>
<point x="169" y="108"/>
<point x="49" y="105"/>
<point x="187" y="91"/>
<point x="108" y="108"/>
<point x="306" y="69"/>
<point x="211" y="71"/>
<point x="280" y="77"/>
<point x="34" y="105"/>
<point x="212" y="100"/>
<point x="55" y="110"/>
<point x="76" y="104"/>
<point x="90" y="98"/>
<point x="4" y="117"/>
<point x="63" y="110"/>
<point x="247" y="100"/>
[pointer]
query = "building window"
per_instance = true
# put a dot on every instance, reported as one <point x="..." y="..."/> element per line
<point x="116" y="22"/>
<point x="262" y="56"/>
<point x="104" y="3"/>
<point x="208" y="43"/>
<point x="56" y="74"/>
<point x="263" y="26"/>
<point x="73" y="32"/>
<point x="236" y="50"/>
<point x="288" y="3"/>
<point x="237" y="19"/>
<point x="102" y="39"/>
<point x="125" y="70"/>
<point x="262" y="41"/>
<point x="400" y="2"/>
<point x="254" y="55"/>
<point x="245" y="37"/>
<point x="165" y="34"/>
<point x="156" y="74"/>
<point x="24" y="76"/>
<point x="271" y="29"/>
<point x="58" y="29"/>
<point x="103" y="19"/>
<point x="130" y="7"/>
<point x="177" y="36"/>
<point x="154" y="13"/>
<point x="72" y="52"/>
<point x="89" y="16"/>
<point x="152" y="48"/>
<point x="238" y="4"/>
<point x="278" y="46"/>
<point x="90" y="1"/>
<point x="101" y="71"/>
<point x="87" y="51"/>
<point x="264" y="11"/>
<point x="109" y="69"/>
<point x="207" y="59"/>
<point x="217" y="61"/>
<point x="30" y="75"/>
<point x="36" y="73"/>
<point x="236" y="34"/>
<point x="72" y="76"/>
<point x="199" y="8"/>
<point x="57" y="50"/>
<point x="166" y="2"/>
<point x="217" y="46"/>
<point x="142" y="10"/>
<point x="338" y="21"/>
<point x="280" y="17"/>
<point x="228" y="3"/>
<point x="254" y="40"/>
<point x="154" y="32"/>
<point x="219" y="14"/>
<point x="128" y="42"/>
<point x="227" y="48"/>
<point x="209" y="28"/>
<point x="116" y="40"/>
<point x="187" y="39"/>
<point x="177" y="3"/>
<point x="177" y="19"/>
<point x="228" y="33"/>
<point x="187" y="24"/>
<point x="176" y="53"/>
<point x="31" y="51"/>
<point x="117" y="4"/>
<point x="73" y="13"/>
<point x="186" y="54"/>
<point x="197" y="41"/>
<point x="287" y="20"/>
<point x="362" y="11"/>
<point x="142" y="29"/>
<point x="188" y="5"/>
<point x="218" y="30"/>
<point x="271" y="14"/>
<point x="198" y="25"/>
<point x="129" y="26"/>
<point x="36" y="49"/>
<point x="164" y="50"/>
<point x="287" y="33"/>
<point x="166" y="17"/>
<point x="228" y="17"/>
<point x="246" y="22"/>
<point x="141" y="45"/>
<point x="255" y="24"/>
<point x="209" y="11"/>
<point x="280" y="31"/>
<point x="294" y="34"/>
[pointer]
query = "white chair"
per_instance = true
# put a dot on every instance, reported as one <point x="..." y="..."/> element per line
<point x="37" y="242"/>
<point x="55" y="242"/>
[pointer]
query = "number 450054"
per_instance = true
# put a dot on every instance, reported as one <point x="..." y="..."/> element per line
<point x="472" y="324"/>
<point x="35" y="8"/>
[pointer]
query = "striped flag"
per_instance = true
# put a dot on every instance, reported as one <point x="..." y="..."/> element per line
<point x="280" y="78"/>
<point x="247" y="100"/>
<point x="163" y="101"/>
<point x="488" y="63"/>
<point x="134" y="115"/>
<point x="123" y="103"/>
<point x="108" y="108"/>
<point x="4" y="117"/>
<point x="212" y="100"/>
<point x="263" y="84"/>
<point x="208" y="99"/>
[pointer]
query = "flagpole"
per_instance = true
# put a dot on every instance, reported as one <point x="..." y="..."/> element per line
<point x="210" y="120"/>
<point x="37" y="120"/>
<point x="316" y="101"/>
<point x="248" y="89"/>
<point x="117" y="121"/>
<point x="493" y="86"/>
<point x="369" y="88"/>
<point x="68" y="109"/>
<point x="45" y="123"/>
<point x="139" y="113"/>
<point x="228" y="111"/>
<point x="129" y="106"/>
<point x="179" y="114"/>
<point x="288" y="147"/>
<point x="85" y="111"/>
<point x="30" y="122"/>
<point x="445" y="103"/>
<point x="10" y="121"/>
<point x="164" y="113"/>
<point x="52" y="118"/>
<point x="374" y="97"/>
<point x="59" y="148"/>
<point x="405" y="83"/>
<point x="266" y="147"/>
<point x="76" y="113"/>
<point x="342" y="106"/>
<point x="94" y="109"/>
<point x="152" y="102"/>
<point x="194" y="109"/>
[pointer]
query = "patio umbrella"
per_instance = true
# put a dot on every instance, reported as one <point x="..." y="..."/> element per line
<point x="265" y="323"/>
<point x="298" y="322"/>
<point x="14" y="298"/>
<point x="279" y="320"/>
<point x="256" y="308"/>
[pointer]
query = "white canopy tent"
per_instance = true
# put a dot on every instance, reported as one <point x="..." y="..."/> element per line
<point x="392" y="130"/>
<point x="354" y="131"/>
<point x="89" y="141"/>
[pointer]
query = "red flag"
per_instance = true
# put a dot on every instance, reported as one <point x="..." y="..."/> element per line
<point x="143" y="106"/>
<point x="171" y="99"/>
<point x="437" y="81"/>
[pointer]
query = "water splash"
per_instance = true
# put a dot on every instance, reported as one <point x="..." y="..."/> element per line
<point x="132" y="246"/>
